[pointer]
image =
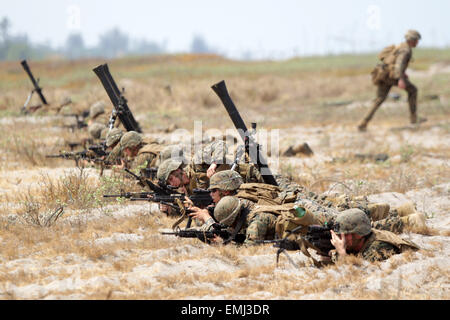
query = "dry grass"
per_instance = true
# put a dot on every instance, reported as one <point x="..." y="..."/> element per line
<point x="107" y="254"/>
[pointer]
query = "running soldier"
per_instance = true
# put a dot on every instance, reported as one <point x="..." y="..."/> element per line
<point x="391" y="72"/>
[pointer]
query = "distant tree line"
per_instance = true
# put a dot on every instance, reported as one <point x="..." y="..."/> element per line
<point x="113" y="43"/>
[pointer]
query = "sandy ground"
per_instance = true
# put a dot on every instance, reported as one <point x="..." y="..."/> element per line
<point x="140" y="263"/>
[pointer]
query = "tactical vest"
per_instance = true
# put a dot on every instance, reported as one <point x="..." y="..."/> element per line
<point x="154" y="149"/>
<point x="260" y="193"/>
<point x="384" y="71"/>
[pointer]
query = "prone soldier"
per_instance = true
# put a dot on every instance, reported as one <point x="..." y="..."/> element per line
<point x="353" y="234"/>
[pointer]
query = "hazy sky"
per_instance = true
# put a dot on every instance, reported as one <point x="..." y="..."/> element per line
<point x="266" y="28"/>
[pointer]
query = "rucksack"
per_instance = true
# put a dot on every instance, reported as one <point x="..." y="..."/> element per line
<point x="263" y="194"/>
<point x="384" y="70"/>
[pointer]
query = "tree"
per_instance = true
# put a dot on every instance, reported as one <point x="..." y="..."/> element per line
<point x="74" y="47"/>
<point x="199" y="45"/>
<point x="4" y="29"/>
<point x="113" y="43"/>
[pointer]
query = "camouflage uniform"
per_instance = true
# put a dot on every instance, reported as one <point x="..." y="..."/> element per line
<point x="95" y="130"/>
<point x="97" y="113"/>
<point x="395" y="65"/>
<point x="147" y="154"/>
<point x="171" y="152"/>
<point x="170" y="165"/>
<point x="112" y="141"/>
<point x="213" y="152"/>
<point x="379" y="245"/>
<point x="255" y="226"/>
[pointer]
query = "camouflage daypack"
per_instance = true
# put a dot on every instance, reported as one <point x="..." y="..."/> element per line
<point x="260" y="193"/>
<point x="384" y="70"/>
<point x="153" y="149"/>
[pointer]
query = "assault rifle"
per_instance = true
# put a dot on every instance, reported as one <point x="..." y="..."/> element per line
<point x="77" y="156"/>
<point x="84" y="143"/>
<point x="79" y="119"/>
<point x="36" y="89"/>
<point x="252" y="148"/>
<point x="99" y="149"/>
<point x="317" y="237"/>
<point x="129" y="195"/>
<point x="177" y="210"/>
<point x="160" y="188"/>
<point x="200" y="198"/>
<point x="149" y="173"/>
<point x="205" y="236"/>
<point x="119" y="102"/>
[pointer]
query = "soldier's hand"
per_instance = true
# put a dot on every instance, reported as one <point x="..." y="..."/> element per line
<point x="188" y="202"/>
<point x="200" y="214"/>
<point x="211" y="170"/>
<point x="401" y="83"/>
<point x="216" y="240"/>
<point x="338" y="242"/>
<point x="165" y="208"/>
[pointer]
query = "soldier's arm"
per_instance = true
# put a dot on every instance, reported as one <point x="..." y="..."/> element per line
<point x="401" y="63"/>
<point x="379" y="251"/>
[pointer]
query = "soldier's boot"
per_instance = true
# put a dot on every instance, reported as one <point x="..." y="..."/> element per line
<point x="362" y="127"/>
<point x="416" y="120"/>
<point x="303" y="148"/>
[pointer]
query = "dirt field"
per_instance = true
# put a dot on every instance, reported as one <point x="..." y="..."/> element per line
<point x="107" y="249"/>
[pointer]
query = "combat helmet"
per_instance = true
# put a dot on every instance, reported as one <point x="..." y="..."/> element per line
<point x="97" y="109"/>
<point x="353" y="221"/>
<point x="113" y="136"/>
<point x="227" y="210"/>
<point x="412" y="35"/>
<point x="166" y="168"/>
<point x="95" y="130"/>
<point x="130" y="139"/>
<point x="171" y="152"/>
<point x="226" y="180"/>
<point x="104" y="133"/>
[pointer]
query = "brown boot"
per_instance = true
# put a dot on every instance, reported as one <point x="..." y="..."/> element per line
<point x="362" y="127"/>
<point x="416" y="120"/>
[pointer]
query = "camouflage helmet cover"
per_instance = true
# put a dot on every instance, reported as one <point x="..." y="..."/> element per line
<point x="353" y="221"/>
<point x="227" y="209"/>
<point x="226" y="180"/>
<point x="113" y="136"/>
<point x="166" y="168"/>
<point x="171" y="152"/>
<point x="96" y="109"/>
<point x="412" y="35"/>
<point x="103" y="133"/>
<point x="130" y="139"/>
<point x="95" y="130"/>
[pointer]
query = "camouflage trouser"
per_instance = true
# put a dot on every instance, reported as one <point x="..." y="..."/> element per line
<point x="382" y="93"/>
<point x="260" y="226"/>
<point x="392" y="223"/>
